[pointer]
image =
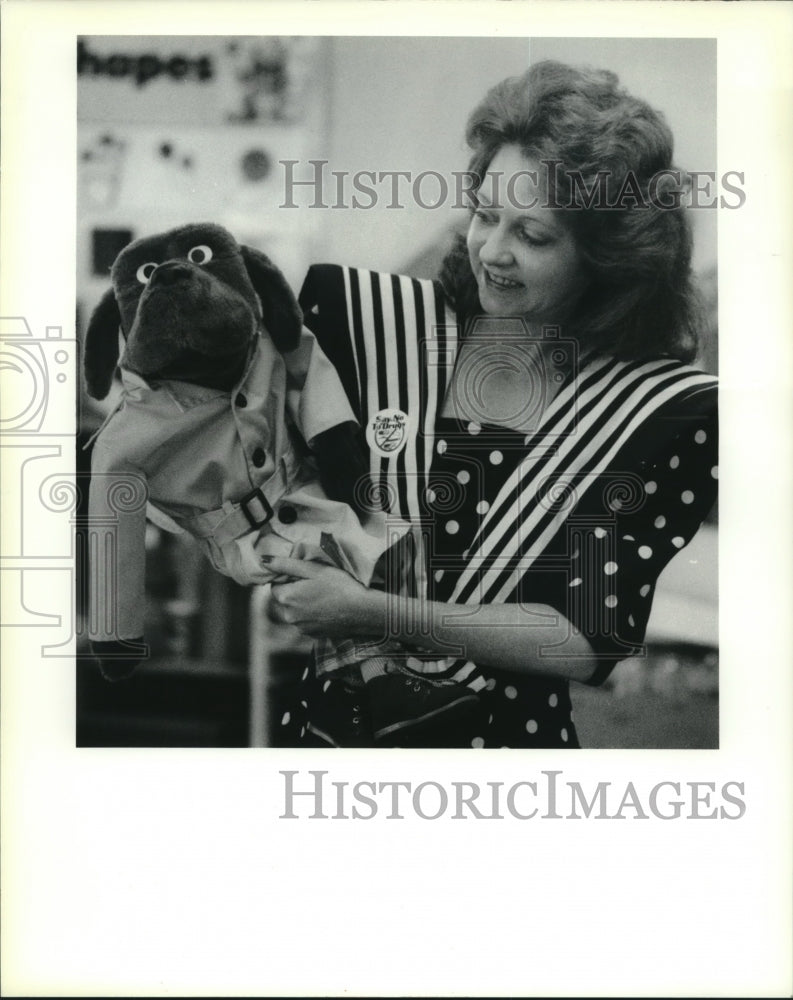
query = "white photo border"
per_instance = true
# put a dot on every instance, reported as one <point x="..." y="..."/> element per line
<point x="153" y="873"/>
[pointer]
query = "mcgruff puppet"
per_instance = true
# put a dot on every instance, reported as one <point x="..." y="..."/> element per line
<point x="223" y="387"/>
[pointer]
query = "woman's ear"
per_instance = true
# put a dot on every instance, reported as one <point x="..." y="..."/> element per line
<point x="100" y="354"/>
<point x="280" y="312"/>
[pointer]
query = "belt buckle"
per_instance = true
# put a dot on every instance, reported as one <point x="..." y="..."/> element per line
<point x="252" y="519"/>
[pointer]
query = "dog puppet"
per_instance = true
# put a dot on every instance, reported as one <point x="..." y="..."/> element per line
<point x="222" y="388"/>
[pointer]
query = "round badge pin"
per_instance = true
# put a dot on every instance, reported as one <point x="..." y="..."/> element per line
<point x="387" y="432"/>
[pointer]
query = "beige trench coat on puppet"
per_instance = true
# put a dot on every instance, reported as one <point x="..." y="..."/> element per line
<point x="193" y="454"/>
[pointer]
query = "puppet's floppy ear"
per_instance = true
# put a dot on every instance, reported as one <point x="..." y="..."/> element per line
<point x="280" y="311"/>
<point x="101" y="346"/>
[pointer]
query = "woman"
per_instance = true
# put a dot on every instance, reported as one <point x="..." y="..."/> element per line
<point x="573" y="448"/>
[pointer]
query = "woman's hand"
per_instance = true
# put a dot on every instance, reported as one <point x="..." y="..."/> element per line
<point x="324" y="601"/>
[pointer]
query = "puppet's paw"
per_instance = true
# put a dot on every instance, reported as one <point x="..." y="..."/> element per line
<point x="118" y="659"/>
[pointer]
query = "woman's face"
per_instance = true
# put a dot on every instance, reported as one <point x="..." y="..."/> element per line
<point x="522" y="253"/>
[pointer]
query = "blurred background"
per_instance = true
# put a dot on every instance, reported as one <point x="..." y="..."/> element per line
<point x="186" y="128"/>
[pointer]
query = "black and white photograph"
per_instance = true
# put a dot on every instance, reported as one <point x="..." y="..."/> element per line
<point x="384" y="383"/>
<point x="452" y="358"/>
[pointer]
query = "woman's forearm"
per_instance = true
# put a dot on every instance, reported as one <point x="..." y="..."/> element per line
<point x="526" y="639"/>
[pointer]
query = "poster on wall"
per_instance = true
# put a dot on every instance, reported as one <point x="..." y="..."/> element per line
<point x="196" y="80"/>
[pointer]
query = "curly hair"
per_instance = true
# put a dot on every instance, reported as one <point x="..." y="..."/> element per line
<point x="640" y="300"/>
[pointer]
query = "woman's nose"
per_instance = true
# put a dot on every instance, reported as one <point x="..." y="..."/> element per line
<point x="495" y="249"/>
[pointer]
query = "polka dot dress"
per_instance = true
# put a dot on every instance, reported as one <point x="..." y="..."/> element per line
<point x="599" y="571"/>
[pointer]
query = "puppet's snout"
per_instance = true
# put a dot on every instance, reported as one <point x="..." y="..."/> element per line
<point x="171" y="272"/>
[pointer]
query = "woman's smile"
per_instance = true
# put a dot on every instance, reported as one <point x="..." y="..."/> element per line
<point x="500" y="282"/>
<point x="522" y="253"/>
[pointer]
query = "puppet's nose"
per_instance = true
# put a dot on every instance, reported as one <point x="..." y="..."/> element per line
<point x="169" y="273"/>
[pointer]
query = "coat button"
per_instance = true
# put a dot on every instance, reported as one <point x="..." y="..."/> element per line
<point x="287" y="514"/>
<point x="259" y="458"/>
<point x="241" y="400"/>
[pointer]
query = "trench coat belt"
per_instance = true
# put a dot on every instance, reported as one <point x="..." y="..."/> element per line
<point x="233" y="520"/>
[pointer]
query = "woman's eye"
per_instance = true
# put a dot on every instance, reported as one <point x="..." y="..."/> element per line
<point x="144" y="272"/>
<point x="200" y="255"/>
<point x="483" y="215"/>
<point x="531" y="240"/>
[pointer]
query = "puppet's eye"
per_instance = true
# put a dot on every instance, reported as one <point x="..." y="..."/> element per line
<point x="144" y="272"/>
<point x="200" y="255"/>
